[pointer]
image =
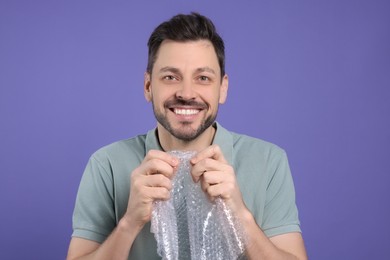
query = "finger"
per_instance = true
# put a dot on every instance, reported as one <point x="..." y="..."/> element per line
<point x="147" y="188"/>
<point x="213" y="151"/>
<point x="157" y="193"/>
<point x="138" y="182"/>
<point x="163" y="156"/>
<point x="213" y="177"/>
<point x="156" y="162"/>
<point x="207" y="165"/>
<point x="205" y="186"/>
<point x="215" y="183"/>
<point x="218" y="190"/>
<point x="157" y="180"/>
<point x="156" y="166"/>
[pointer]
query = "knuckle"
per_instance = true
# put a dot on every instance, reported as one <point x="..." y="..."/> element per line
<point x="137" y="171"/>
<point x="154" y="166"/>
<point x="160" y="178"/>
<point x="134" y="180"/>
<point x="210" y="190"/>
<point x="226" y="196"/>
<point x="163" y="193"/>
<point x="216" y="148"/>
<point x="208" y="176"/>
<point x="230" y="186"/>
<point x="207" y="162"/>
<point x="151" y="153"/>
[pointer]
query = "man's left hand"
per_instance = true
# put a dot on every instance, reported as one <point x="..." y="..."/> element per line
<point x="217" y="178"/>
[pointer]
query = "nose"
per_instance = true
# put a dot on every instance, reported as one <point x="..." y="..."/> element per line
<point x="186" y="91"/>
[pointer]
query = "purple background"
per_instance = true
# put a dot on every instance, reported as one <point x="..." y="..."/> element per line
<point x="310" y="76"/>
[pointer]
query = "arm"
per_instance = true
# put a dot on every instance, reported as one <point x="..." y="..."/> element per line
<point x="217" y="178"/>
<point x="116" y="246"/>
<point x="285" y="246"/>
<point x="150" y="181"/>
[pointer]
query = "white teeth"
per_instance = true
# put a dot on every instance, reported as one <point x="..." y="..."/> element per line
<point x="186" y="111"/>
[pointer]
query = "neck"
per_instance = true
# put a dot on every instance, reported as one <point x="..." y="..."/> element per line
<point x="169" y="143"/>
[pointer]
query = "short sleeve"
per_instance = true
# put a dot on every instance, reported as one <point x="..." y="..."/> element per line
<point x="94" y="214"/>
<point x="280" y="212"/>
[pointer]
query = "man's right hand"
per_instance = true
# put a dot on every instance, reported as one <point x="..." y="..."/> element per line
<point x="150" y="181"/>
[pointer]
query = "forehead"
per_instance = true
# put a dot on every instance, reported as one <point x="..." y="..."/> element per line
<point x="186" y="55"/>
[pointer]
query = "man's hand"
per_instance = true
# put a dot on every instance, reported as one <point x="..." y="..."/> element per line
<point x="217" y="178"/>
<point x="150" y="181"/>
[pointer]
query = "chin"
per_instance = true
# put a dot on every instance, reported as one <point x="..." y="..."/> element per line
<point x="186" y="136"/>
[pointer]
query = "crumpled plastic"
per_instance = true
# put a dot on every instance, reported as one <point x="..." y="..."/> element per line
<point x="190" y="226"/>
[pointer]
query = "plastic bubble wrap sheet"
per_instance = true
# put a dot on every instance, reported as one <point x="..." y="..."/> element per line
<point x="189" y="226"/>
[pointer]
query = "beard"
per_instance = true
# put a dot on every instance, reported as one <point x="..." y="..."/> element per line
<point x="183" y="134"/>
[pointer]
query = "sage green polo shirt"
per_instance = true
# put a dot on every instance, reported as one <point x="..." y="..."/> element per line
<point x="262" y="173"/>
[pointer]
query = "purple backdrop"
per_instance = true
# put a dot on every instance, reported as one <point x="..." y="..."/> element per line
<point x="310" y="76"/>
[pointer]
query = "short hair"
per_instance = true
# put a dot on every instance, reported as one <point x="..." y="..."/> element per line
<point x="183" y="28"/>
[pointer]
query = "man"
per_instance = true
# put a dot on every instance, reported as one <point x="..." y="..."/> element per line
<point x="186" y="82"/>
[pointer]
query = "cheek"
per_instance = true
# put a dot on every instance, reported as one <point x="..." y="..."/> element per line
<point x="159" y="98"/>
<point x="214" y="99"/>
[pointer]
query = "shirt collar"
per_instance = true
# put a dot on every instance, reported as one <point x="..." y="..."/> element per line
<point x="222" y="138"/>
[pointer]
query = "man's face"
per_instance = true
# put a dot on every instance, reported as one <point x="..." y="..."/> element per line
<point x="186" y="88"/>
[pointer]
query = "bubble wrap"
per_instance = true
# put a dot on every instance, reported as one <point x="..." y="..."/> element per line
<point x="189" y="226"/>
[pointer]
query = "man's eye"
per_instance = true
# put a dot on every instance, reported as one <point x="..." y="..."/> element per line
<point x="204" y="78"/>
<point x="169" y="77"/>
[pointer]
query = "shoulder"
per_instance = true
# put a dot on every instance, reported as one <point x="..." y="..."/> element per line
<point x="121" y="150"/>
<point x="248" y="144"/>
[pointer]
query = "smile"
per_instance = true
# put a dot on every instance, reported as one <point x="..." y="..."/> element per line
<point x="185" y="112"/>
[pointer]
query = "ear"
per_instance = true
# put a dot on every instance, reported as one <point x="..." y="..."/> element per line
<point x="223" y="89"/>
<point x="147" y="87"/>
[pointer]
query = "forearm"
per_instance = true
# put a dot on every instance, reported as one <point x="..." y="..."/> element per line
<point x="259" y="246"/>
<point x="116" y="246"/>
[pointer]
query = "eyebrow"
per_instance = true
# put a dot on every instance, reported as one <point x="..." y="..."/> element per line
<point x="169" y="69"/>
<point x="177" y="71"/>
<point x="206" y="69"/>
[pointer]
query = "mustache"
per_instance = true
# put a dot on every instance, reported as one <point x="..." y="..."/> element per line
<point x="182" y="102"/>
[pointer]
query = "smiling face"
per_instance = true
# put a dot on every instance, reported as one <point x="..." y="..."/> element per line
<point x="185" y="88"/>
